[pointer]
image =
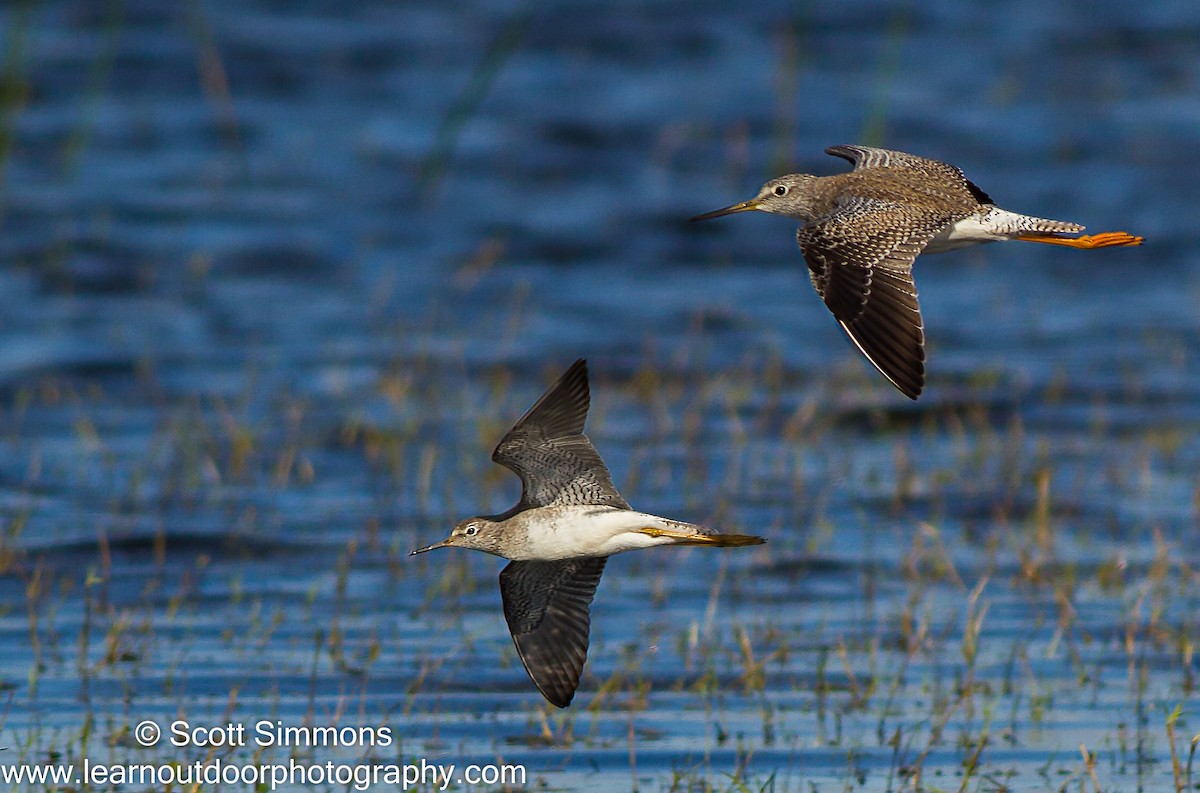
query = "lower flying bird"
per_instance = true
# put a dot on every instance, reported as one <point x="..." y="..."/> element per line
<point x="860" y="232"/>
<point x="569" y="520"/>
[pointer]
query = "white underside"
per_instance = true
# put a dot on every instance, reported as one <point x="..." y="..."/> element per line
<point x="963" y="234"/>
<point x="994" y="225"/>
<point x="567" y="533"/>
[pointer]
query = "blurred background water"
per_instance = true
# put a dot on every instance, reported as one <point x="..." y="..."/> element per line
<point x="274" y="279"/>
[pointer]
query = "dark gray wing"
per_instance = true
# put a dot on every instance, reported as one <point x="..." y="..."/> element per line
<point x="548" y="450"/>
<point x="940" y="173"/>
<point x="547" y="608"/>
<point x="860" y="260"/>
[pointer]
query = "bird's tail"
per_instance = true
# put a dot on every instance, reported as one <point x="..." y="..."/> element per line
<point x="1052" y="232"/>
<point x="1025" y="224"/>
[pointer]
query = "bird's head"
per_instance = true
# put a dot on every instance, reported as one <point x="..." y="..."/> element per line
<point x="478" y="534"/>
<point x="789" y="195"/>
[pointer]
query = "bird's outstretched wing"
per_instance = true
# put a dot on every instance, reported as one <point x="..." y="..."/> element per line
<point x="860" y="261"/>
<point x="548" y="450"/>
<point x="938" y="173"/>
<point x="547" y="606"/>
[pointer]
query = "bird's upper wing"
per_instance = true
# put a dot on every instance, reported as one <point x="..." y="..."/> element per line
<point x="548" y="450"/>
<point x="860" y="260"/>
<point x="943" y="174"/>
<point x="547" y="605"/>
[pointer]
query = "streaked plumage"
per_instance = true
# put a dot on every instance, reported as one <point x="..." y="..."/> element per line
<point x="569" y="520"/>
<point x="861" y="232"/>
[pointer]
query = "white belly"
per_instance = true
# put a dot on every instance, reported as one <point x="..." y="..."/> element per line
<point x="963" y="234"/>
<point x="571" y="532"/>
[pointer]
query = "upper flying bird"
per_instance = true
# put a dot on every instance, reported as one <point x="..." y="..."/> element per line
<point x="569" y="520"/>
<point x="861" y="231"/>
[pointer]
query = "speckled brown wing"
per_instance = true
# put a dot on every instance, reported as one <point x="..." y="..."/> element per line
<point x="934" y="172"/>
<point x="860" y="260"/>
<point x="548" y="450"/>
<point x="547" y="606"/>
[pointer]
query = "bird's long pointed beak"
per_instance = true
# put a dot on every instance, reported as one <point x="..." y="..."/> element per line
<point x="745" y="206"/>
<point x="434" y="547"/>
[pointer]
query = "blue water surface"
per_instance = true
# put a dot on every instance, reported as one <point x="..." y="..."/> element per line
<point x="275" y="278"/>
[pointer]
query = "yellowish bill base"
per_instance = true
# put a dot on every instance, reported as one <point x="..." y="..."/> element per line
<point x="1109" y="239"/>
<point x="716" y="540"/>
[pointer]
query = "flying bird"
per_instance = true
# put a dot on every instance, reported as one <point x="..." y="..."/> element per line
<point x="569" y="520"/>
<point x="861" y="231"/>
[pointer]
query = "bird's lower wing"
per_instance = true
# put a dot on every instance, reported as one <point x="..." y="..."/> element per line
<point x="860" y="263"/>
<point x="547" y="607"/>
<point x="889" y="332"/>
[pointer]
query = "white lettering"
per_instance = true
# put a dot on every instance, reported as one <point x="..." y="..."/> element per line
<point x="184" y="734"/>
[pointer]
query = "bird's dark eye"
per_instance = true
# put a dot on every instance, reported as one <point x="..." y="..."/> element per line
<point x="471" y="531"/>
<point x="780" y="189"/>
